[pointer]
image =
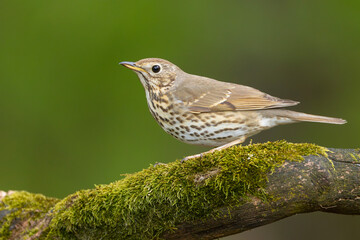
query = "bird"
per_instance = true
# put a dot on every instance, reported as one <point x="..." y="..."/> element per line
<point x="204" y="111"/>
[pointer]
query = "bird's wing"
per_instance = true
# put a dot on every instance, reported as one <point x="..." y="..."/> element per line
<point x="201" y="94"/>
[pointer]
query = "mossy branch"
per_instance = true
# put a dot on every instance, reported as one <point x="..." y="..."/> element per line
<point x="221" y="194"/>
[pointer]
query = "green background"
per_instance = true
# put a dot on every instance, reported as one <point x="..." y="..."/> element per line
<point x="71" y="117"/>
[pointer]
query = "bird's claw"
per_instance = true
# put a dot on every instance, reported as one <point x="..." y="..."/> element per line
<point x="200" y="155"/>
<point x="159" y="163"/>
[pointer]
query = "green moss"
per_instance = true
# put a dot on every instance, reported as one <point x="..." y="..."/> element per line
<point x="146" y="204"/>
<point x="23" y="206"/>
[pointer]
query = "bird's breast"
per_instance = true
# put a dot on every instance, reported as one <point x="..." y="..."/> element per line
<point x="208" y="129"/>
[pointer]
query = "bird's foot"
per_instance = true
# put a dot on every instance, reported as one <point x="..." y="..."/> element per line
<point x="200" y="155"/>
<point x="159" y="163"/>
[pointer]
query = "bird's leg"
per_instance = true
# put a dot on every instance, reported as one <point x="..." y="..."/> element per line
<point x="237" y="141"/>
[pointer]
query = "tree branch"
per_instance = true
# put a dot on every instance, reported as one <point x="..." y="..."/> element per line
<point x="317" y="184"/>
<point x="222" y="194"/>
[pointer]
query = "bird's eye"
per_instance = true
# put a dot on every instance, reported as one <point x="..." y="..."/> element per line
<point x="156" y="68"/>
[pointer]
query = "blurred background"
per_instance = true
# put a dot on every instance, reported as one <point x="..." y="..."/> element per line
<point x="71" y="117"/>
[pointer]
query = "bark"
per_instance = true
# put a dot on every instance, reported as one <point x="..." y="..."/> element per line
<point x="319" y="183"/>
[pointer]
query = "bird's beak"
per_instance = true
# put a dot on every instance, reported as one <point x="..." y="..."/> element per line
<point x="132" y="66"/>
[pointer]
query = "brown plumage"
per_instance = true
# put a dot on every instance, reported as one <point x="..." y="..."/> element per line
<point x="204" y="111"/>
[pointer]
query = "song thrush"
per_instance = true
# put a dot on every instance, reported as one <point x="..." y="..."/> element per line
<point x="203" y="111"/>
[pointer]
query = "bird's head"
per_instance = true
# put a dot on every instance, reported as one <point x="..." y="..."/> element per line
<point x="154" y="73"/>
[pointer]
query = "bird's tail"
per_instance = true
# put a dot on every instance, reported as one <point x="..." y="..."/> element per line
<point x="298" y="116"/>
